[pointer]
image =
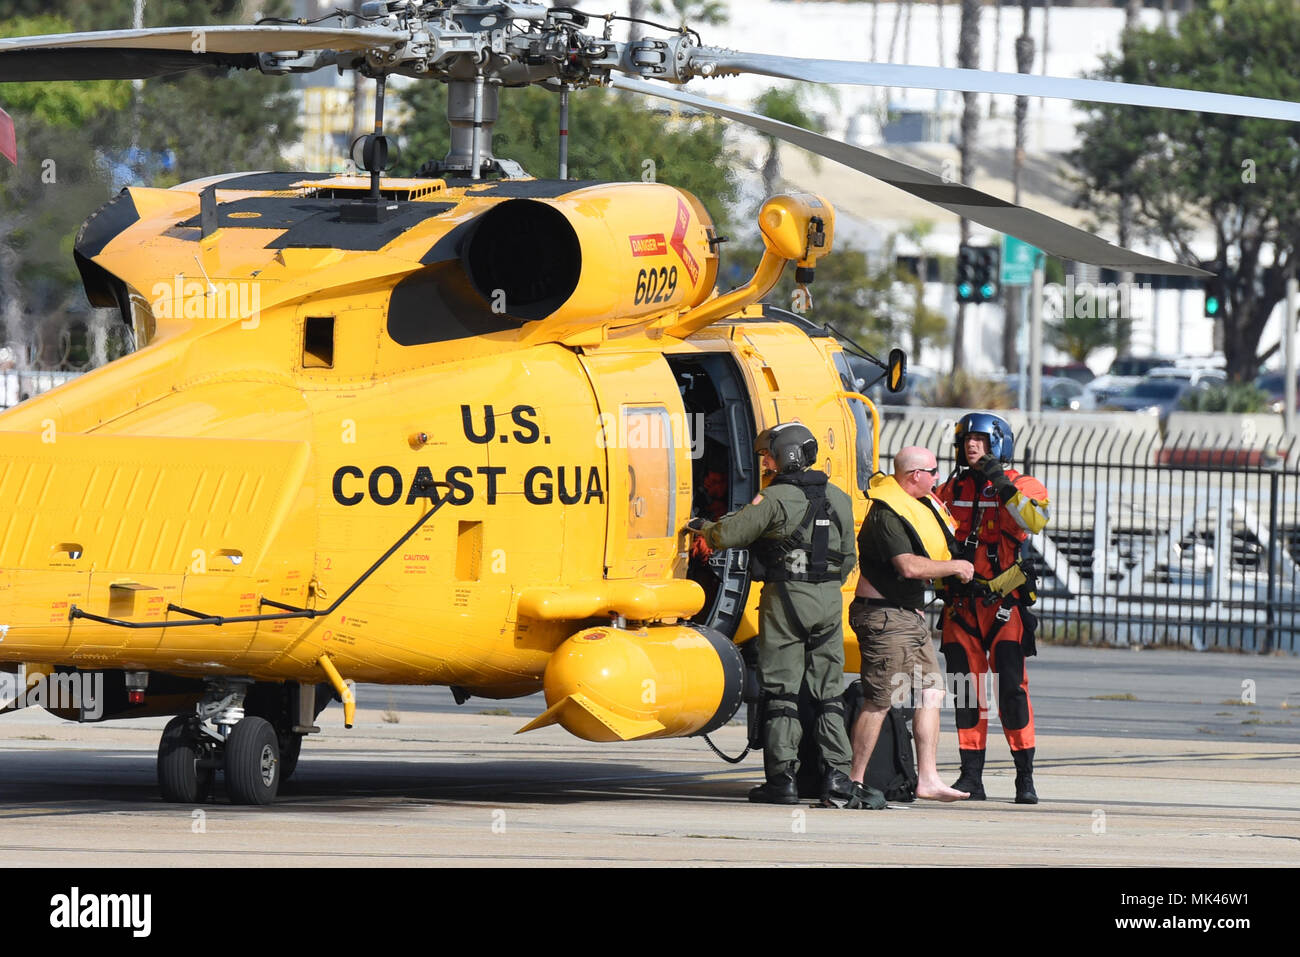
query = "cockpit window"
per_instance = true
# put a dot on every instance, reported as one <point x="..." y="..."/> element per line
<point x="856" y="381"/>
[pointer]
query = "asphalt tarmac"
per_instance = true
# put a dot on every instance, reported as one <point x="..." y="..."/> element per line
<point x="1144" y="758"/>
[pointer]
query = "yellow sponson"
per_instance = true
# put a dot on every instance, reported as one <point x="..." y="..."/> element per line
<point x="613" y="684"/>
<point x="639" y="601"/>
<point x="786" y="223"/>
<point x="923" y="517"/>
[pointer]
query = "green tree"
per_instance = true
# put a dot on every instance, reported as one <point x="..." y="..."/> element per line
<point x="79" y="142"/>
<point x="787" y="105"/>
<point x="693" y="13"/>
<point x="1183" y="170"/>
<point x="43" y="201"/>
<point x="1081" y="332"/>
<point x="612" y="138"/>
<point x="871" y="299"/>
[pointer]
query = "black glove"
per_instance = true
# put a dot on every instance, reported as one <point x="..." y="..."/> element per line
<point x="991" y="469"/>
<point x="696" y="525"/>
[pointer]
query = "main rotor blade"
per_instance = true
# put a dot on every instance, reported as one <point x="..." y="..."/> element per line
<point x="1039" y="230"/>
<point x="977" y="81"/>
<point x="20" y="66"/>
<point x="139" y="54"/>
<point x="241" y="38"/>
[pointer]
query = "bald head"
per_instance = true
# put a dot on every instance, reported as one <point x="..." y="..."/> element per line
<point x="915" y="470"/>
<point x="912" y="457"/>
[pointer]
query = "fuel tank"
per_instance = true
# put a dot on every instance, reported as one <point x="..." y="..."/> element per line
<point x="665" y="681"/>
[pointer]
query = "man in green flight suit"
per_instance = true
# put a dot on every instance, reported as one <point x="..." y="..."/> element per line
<point x="799" y="531"/>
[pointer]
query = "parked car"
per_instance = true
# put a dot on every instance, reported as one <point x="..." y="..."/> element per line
<point x="1201" y="378"/>
<point x="1058" y="392"/>
<point x="1124" y="373"/>
<point x="918" y="389"/>
<point x="1156" y="397"/>
<point x="1077" y="371"/>
<point x="1273" y="383"/>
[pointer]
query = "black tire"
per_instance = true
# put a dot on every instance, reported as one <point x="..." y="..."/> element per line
<point x="180" y="778"/>
<point x="290" y="748"/>
<point x="252" y="762"/>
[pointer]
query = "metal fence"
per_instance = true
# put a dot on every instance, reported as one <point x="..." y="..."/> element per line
<point x="1190" y="539"/>
<point x="18" y="385"/>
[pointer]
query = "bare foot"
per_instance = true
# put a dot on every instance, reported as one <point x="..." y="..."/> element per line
<point x="938" y="791"/>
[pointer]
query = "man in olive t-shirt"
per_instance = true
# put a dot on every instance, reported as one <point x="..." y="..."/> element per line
<point x="893" y="634"/>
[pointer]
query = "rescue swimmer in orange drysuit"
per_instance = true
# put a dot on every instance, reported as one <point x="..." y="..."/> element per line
<point x="987" y="624"/>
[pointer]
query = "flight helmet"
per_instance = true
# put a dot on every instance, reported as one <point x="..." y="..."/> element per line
<point x="791" y="444"/>
<point x="1002" y="441"/>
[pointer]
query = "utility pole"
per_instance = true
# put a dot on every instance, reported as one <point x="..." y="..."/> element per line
<point x="967" y="58"/>
<point x="1289" y="362"/>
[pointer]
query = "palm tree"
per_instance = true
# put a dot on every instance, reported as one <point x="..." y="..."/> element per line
<point x="693" y="12"/>
<point x="939" y="28"/>
<point x="635" y="10"/>
<point x="923" y="320"/>
<point x="997" y="52"/>
<point x="786" y="105"/>
<point x="907" y="33"/>
<point x="968" y="46"/>
<point x="875" y="18"/>
<point x="1024" y="64"/>
<point x="893" y="42"/>
<point x="1047" y="24"/>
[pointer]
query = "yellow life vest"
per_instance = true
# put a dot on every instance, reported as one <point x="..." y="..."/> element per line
<point x="925" y="518"/>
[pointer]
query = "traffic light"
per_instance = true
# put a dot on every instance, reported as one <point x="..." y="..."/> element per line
<point x="1215" y="297"/>
<point x="966" y="273"/>
<point x="977" y="273"/>
<point x="986" y="274"/>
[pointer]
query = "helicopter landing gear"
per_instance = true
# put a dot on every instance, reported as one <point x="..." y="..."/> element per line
<point x="290" y="748"/>
<point x="219" y="735"/>
<point x="252" y="762"/>
<point x="186" y="762"/>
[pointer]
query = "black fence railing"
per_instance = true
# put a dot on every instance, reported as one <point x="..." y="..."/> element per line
<point x="1191" y="539"/>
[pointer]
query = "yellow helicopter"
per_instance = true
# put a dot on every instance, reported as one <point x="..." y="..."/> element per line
<point x="444" y="430"/>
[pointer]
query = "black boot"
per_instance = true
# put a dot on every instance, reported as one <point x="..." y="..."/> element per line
<point x="1025" y="793"/>
<point x="779" y="789"/>
<point x="972" y="774"/>
<point x="837" y="789"/>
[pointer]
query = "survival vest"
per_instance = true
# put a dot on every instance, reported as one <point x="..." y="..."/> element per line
<point x="928" y="524"/>
<point x="990" y="535"/>
<point x="804" y="556"/>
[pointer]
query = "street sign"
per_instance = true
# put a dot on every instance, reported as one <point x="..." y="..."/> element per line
<point x="1018" y="261"/>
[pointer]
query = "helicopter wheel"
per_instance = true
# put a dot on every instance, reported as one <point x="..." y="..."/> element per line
<point x="253" y="770"/>
<point x="290" y="749"/>
<point x="181" y="778"/>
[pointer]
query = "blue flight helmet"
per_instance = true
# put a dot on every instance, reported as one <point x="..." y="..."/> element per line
<point x="1002" y="441"/>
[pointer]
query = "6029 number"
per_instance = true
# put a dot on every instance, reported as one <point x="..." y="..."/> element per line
<point x="655" y="285"/>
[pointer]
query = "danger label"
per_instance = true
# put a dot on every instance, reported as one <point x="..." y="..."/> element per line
<point x="650" y="244"/>
<point x="679" y="242"/>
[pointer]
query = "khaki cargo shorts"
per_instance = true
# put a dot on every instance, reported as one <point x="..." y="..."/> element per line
<point x="897" y="653"/>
